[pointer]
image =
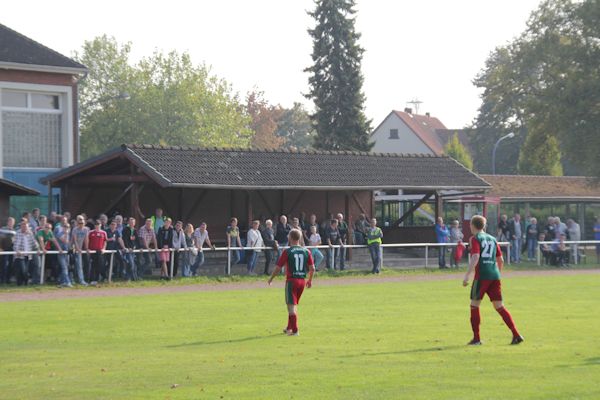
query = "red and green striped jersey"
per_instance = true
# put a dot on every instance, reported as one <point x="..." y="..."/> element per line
<point x="297" y="259"/>
<point x="488" y="249"/>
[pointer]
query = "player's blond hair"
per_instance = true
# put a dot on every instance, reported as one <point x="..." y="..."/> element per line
<point x="295" y="235"/>
<point x="478" y="221"/>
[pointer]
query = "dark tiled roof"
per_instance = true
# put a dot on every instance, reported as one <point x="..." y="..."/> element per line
<point x="14" y="189"/>
<point x="17" y="48"/>
<point x="278" y="169"/>
<point x="542" y="187"/>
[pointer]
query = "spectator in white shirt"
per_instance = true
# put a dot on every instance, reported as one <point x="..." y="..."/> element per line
<point x="315" y="240"/>
<point x="254" y="239"/>
<point x="24" y="243"/>
<point x="200" y="238"/>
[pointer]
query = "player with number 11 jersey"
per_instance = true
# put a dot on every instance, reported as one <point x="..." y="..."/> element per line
<point x="299" y="266"/>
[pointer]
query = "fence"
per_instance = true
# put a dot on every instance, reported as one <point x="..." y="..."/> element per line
<point x="574" y="245"/>
<point x="426" y="246"/>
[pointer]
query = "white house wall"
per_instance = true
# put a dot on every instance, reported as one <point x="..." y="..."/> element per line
<point x="407" y="142"/>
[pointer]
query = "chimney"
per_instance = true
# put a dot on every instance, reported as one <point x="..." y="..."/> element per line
<point x="427" y="115"/>
<point x="408" y="110"/>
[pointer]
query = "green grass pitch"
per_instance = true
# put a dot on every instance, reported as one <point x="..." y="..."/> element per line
<point x="385" y="340"/>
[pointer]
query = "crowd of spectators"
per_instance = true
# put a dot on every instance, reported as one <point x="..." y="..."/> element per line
<point x="524" y="237"/>
<point x="81" y="244"/>
<point x="532" y="232"/>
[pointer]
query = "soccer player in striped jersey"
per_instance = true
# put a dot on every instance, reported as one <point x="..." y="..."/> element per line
<point x="299" y="263"/>
<point x="487" y="261"/>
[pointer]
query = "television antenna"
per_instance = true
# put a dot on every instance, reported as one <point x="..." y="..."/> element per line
<point x="415" y="103"/>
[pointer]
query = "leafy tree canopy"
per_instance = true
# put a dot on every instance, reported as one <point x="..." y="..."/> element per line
<point x="171" y="101"/>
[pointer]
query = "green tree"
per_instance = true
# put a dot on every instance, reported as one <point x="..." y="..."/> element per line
<point x="497" y="116"/>
<point x="264" y="117"/>
<point x="540" y="154"/>
<point x="455" y="149"/>
<point x="295" y="127"/>
<point x="547" y="83"/>
<point x="172" y="101"/>
<point x="335" y="82"/>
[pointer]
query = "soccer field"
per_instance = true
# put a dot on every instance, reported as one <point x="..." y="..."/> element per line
<point x="360" y="341"/>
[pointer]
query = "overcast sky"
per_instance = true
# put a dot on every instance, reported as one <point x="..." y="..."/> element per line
<point x="425" y="49"/>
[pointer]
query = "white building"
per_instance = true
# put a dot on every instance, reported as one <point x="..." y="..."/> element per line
<point x="407" y="133"/>
<point x="38" y="114"/>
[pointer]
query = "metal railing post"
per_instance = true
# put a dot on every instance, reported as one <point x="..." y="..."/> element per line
<point x="110" y="267"/>
<point x="538" y="255"/>
<point x="228" y="262"/>
<point x="508" y="253"/>
<point x="41" y="268"/>
<point x="172" y="263"/>
<point x="426" y="256"/>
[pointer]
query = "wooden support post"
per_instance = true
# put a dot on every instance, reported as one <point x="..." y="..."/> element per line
<point x="291" y="210"/>
<point x="231" y="205"/>
<point x="327" y="204"/>
<point x="180" y="211"/>
<point x="581" y="219"/>
<point x="163" y="202"/>
<point x="266" y="204"/>
<point x="249" y="208"/>
<point x="362" y="209"/>
<point x="196" y="204"/>
<point x="414" y="208"/>
<point x="439" y="205"/>
<point x="133" y="202"/>
<point x="118" y="199"/>
<point x="350" y="238"/>
<point x="281" y="203"/>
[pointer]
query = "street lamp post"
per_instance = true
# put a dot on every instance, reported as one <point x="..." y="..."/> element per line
<point x="509" y="136"/>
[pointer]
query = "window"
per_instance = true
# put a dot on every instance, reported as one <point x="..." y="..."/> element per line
<point x="44" y="101"/>
<point x="31" y="101"/>
<point x="14" y="99"/>
<point x="32" y="129"/>
<point x="393" y="133"/>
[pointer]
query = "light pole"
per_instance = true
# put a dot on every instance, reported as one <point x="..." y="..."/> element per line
<point x="509" y="136"/>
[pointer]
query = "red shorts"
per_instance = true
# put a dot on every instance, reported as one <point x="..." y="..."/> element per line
<point x="493" y="288"/>
<point x="293" y="290"/>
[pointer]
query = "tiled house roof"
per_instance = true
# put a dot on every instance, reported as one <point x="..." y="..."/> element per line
<point x="424" y="127"/>
<point x="284" y="169"/>
<point x="16" y="48"/>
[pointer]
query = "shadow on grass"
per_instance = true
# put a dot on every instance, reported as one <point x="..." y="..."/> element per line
<point x="238" y="340"/>
<point x="426" y="350"/>
<point x="592" y="361"/>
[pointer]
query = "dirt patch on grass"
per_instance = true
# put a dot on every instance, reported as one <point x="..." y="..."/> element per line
<point x="104" y="291"/>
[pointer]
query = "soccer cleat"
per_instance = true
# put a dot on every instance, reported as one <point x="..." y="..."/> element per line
<point x="474" y="342"/>
<point x="287" y="331"/>
<point x="517" y="339"/>
<point x="290" y="333"/>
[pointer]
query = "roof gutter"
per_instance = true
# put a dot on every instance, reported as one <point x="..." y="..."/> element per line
<point x="42" y="68"/>
<point x="275" y="187"/>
